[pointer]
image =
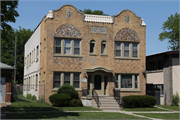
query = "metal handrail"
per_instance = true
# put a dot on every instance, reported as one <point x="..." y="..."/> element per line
<point x="117" y="96"/>
<point x="96" y="97"/>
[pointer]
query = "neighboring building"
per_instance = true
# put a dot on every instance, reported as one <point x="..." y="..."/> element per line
<point x="5" y="86"/>
<point x="87" y="51"/>
<point x="163" y="74"/>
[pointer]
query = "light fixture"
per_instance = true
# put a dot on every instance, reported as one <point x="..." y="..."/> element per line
<point x="85" y="75"/>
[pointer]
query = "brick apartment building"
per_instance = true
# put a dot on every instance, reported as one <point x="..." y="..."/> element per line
<point x="87" y="51"/>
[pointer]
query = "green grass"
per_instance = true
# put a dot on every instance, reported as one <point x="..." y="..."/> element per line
<point x="143" y="109"/>
<point x="161" y="115"/>
<point x="23" y="104"/>
<point x="169" y="107"/>
<point x="74" y="115"/>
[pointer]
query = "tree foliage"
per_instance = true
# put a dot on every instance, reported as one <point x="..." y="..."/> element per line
<point x="8" y="48"/>
<point x="171" y="32"/>
<point x="8" y="13"/>
<point x="95" y="12"/>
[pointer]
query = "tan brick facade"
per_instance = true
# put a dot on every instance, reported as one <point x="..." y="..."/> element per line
<point x="50" y="63"/>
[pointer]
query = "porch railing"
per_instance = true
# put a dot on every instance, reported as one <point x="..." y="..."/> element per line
<point x="117" y="96"/>
<point x="96" y="97"/>
<point x="85" y="92"/>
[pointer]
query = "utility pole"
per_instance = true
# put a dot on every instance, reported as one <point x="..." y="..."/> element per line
<point x="15" y="61"/>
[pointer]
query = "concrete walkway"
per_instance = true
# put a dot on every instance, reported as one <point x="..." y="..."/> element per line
<point x="3" y="113"/>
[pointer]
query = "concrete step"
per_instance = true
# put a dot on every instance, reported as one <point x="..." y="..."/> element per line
<point x="109" y="108"/>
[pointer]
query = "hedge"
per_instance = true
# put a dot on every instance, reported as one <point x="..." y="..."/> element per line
<point x="138" y="101"/>
<point x="60" y="100"/>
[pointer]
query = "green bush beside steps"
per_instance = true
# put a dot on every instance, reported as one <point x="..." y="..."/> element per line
<point x="66" y="96"/>
<point x="137" y="101"/>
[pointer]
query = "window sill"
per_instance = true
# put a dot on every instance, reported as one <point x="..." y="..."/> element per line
<point x="124" y="89"/>
<point x="60" y="55"/>
<point x="77" y="89"/>
<point x="92" y="54"/>
<point x="127" y="58"/>
<point x="104" y="54"/>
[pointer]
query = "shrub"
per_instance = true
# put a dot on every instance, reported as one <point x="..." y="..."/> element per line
<point x="175" y="101"/>
<point x="76" y="103"/>
<point x="138" y="101"/>
<point x="60" y="100"/>
<point x="28" y="96"/>
<point x="67" y="89"/>
<point x="33" y="97"/>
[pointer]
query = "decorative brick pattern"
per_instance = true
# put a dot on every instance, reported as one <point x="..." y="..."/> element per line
<point x="67" y="30"/>
<point x="127" y="34"/>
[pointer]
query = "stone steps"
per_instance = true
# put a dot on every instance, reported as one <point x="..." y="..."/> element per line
<point x="107" y="103"/>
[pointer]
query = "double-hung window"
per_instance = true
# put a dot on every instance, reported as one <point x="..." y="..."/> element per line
<point x="117" y="49"/>
<point x="57" y="80"/>
<point x="134" y="50"/>
<point x="67" y="78"/>
<point x="126" y="49"/>
<point x="76" y="47"/>
<point x="127" y="81"/>
<point x="67" y="47"/>
<point x="57" y="46"/>
<point x="76" y="80"/>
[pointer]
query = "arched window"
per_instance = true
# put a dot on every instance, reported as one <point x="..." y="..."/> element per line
<point x="103" y="47"/>
<point x="92" y="46"/>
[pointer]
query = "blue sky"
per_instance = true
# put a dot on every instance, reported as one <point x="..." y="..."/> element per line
<point x="154" y="13"/>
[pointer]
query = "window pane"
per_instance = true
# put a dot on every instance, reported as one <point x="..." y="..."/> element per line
<point x="67" y="43"/>
<point x="91" y="47"/>
<point x="103" y="48"/>
<point x="118" y="52"/>
<point x="136" y="85"/>
<point x="57" y="84"/>
<point x="76" y="51"/>
<point x="57" y="76"/>
<point x="116" y="81"/>
<point x="126" y="46"/>
<point x="76" y="76"/>
<point x="58" y="42"/>
<point x="134" y="53"/>
<point x="67" y="77"/>
<point x="134" y="46"/>
<point x="76" y="84"/>
<point x="126" y="81"/>
<point x="76" y="43"/>
<point x="126" y="53"/>
<point x="67" y="50"/>
<point x="118" y="46"/>
<point x="58" y="50"/>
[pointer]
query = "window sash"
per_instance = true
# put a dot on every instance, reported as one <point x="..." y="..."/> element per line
<point x="135" y="81"/>
<point x="57" y="80"/>
<point x="67" y="47"/>
<point x="126" y="81"/>
<point x="76" y="47"/>
<point x="117" y="49"/>
<point x="126" y="49"/>
<point x="92" y="45"/>
<point x="116" y="81"/>
<point x="76" y="80"/>
<point x="134" y="50"/>
<point x="67" y="78"/>
<point x="103" y="46"/>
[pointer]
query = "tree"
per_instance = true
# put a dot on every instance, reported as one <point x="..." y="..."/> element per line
<point x="8" y="49"/>
<point x="8" y="13"/>
<point x="171" y="32"/>
<point x="95" y="12"/>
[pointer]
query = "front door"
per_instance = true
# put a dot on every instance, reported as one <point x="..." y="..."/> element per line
<point x="2" y="89"/>
<point x="98" y="85"/>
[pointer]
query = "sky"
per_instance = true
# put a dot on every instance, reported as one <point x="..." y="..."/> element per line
<point x="154" y="13"/>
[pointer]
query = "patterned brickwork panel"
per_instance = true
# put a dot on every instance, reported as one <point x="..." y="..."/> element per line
<point x="127" y="34"/>
<point x="67" y="30"/>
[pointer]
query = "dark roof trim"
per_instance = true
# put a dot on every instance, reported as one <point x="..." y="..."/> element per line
<point x="167" y="52"/>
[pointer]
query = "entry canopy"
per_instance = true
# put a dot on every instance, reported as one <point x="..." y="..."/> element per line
<point x="95" y="68"/>
<point x="5" y="66"/>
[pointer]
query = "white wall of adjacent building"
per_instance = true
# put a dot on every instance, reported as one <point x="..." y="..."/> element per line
<point x="155" y="78"/>
<point x="31" y="69"/>
<point x="176" y="76"/>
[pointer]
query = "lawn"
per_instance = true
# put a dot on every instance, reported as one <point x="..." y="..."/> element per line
<point x="161" y="115"/>
<point x="74" y="115"/>
<point x="169" y="107"/>
<point x="23" y="104"/>
<point x="143" y="109"/>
